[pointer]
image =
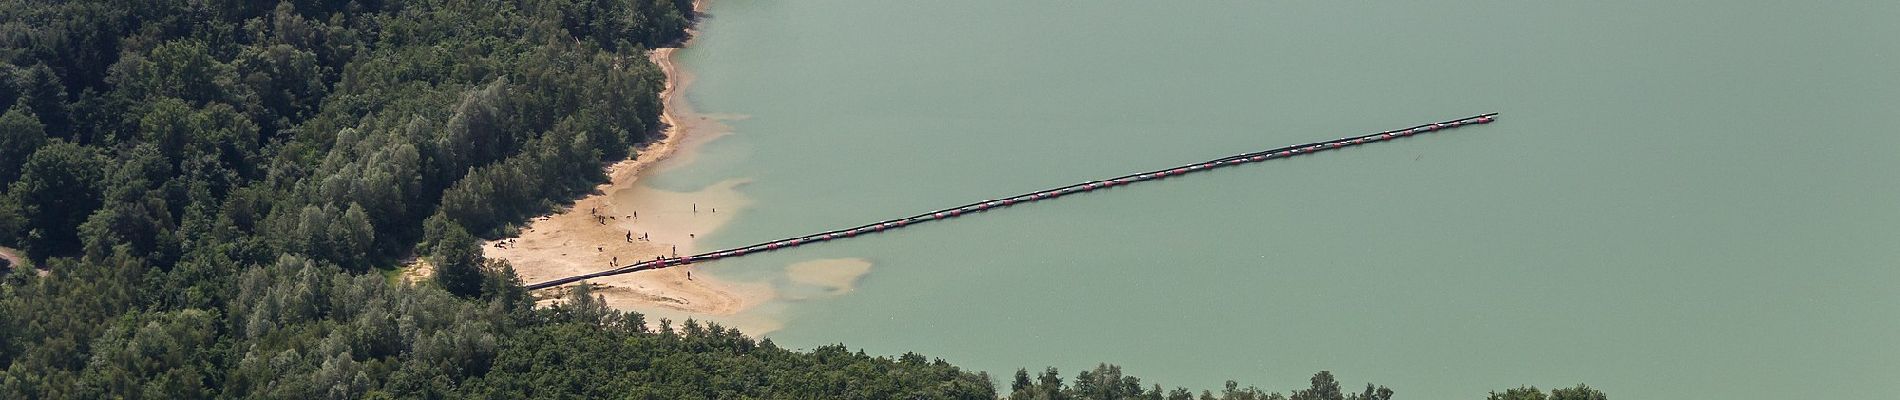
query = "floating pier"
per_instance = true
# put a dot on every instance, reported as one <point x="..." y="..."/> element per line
<point x="986" y="205"/>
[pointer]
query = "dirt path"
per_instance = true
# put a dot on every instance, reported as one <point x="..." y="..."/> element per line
<point x="12" y="256"/>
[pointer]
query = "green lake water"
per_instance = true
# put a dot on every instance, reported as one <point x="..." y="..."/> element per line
<point x="1681" y="199"/>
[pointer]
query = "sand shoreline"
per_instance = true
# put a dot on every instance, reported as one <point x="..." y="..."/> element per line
<point x="609" y="222"/>
<point x="626" y="220"/>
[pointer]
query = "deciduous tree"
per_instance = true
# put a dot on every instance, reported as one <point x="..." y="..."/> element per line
<point x="20" y="134"/>
<point x="59" y="187"/>
<point x="458" y="263"/>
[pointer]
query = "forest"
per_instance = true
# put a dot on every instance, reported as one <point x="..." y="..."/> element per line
<point x="209" y="199"/>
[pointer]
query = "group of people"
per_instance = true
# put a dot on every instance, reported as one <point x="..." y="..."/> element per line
<point x="630" y="237"/>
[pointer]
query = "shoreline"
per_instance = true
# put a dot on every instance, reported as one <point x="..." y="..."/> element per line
<point x="555" y="245"/>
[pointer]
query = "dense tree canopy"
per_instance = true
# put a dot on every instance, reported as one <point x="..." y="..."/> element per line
<point x="209" y="192"/>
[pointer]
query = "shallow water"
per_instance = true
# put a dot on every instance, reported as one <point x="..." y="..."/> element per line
<point x="1686" y="200"/>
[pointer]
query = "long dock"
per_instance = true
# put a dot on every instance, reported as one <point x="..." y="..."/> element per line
<point x="986" y="205"/>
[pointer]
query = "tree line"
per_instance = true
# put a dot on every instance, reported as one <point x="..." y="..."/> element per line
<point x="209" y="195"/>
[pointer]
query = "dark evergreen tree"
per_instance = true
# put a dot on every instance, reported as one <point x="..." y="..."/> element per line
<point x="39" y="89"/>
<point x="1324" y="387"/>
<point x="1021" y="384"/>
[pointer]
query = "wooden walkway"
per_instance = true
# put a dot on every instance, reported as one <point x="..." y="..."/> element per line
<point x="986" y="205"/>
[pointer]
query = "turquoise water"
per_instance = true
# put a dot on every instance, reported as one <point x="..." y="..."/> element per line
<point x="1684" y="200"/>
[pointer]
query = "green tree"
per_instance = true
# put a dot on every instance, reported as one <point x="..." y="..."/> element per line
<point x="133" y="213"/>
<point x="501" y="285"/>
<point x="354" y="233"/>
<point x="458" y="263"/>
<point x="1049" y="385"/>
<point x="288" y="81"/>
<point x="183" y="69"/>
<point x="154" y="356"/>
<point x="1518" y="393"/>
<point x="184" y="132"/>
<point x="1021" y="383"/>
<point x="58" y="188"/>
<point x="327" y="233"/>
<point x="473" y="135"/>
<point x="1580" y="392"/>
<point x="20" y="134"/>
<point x="40" y="90"/>
<point x="434" y="229"/>
<point x="1106" y="382"/>
<point x="1373" y="393"/>
<point x="1324" y="387"/>
<point x="10" y="221"/>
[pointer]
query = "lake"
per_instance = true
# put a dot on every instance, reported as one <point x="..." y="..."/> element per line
<point x="1680" y="199"/>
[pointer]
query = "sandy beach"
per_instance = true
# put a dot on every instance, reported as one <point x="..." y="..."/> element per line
<point x="626" y="221"/>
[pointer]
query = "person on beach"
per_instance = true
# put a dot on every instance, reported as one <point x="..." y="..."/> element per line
<point x="689" y="274"/>
<point x="616" y="261"/>
<point x="629" y="236"/>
